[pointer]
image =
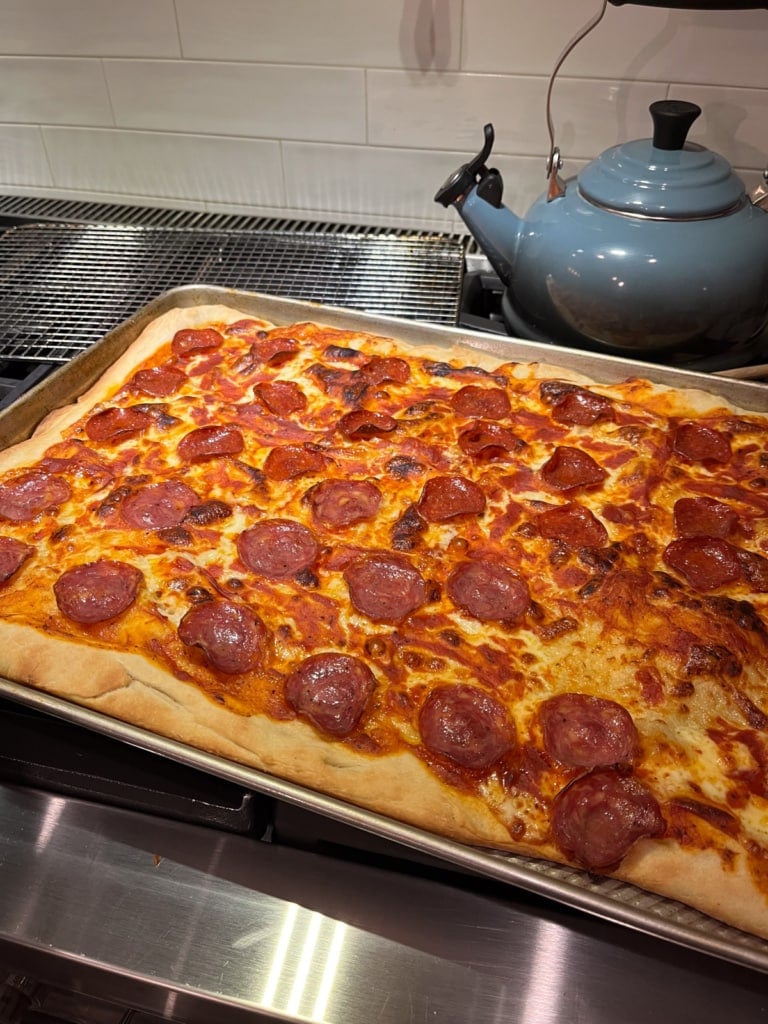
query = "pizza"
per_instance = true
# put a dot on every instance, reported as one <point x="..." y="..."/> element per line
<point x="494" y="600"/>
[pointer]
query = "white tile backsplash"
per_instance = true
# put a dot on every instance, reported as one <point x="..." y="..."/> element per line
<point x="202" y="168"/>
<point x="53" y="90"/>
<point x="22" y="156"/>
<point x="89" y="28"/>
<point x="253" y="100"/>
<point x="439" y="111"/>
<point x="341" y="32"/>
<point x="333" y="108"/>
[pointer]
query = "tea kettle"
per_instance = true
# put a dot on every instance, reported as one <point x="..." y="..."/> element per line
<point x="654" y="247"/>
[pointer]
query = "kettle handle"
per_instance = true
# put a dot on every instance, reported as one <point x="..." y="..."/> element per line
<point x="698" y="5"/>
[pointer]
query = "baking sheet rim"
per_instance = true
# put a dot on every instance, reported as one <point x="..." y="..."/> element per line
<point x="707" y="935"/>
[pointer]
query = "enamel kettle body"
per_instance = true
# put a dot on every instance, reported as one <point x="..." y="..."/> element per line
<point x="649" y="250"/>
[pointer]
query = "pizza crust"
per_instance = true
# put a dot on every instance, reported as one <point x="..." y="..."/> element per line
<point x="130" y="688"/>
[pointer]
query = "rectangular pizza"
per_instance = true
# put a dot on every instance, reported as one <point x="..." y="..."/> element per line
<point x="496" y="600"/>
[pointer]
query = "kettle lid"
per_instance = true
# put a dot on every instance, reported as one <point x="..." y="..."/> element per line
<point x="664" y="177"/>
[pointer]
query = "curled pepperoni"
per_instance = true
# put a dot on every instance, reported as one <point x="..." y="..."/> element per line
<point x="481" y="403"/>
<point x="385" y="370"/>
<point x="599" y="817"/>
<point x="385" y="588"/>
<point x="292" y="460"/>
<point x="574" y="525"/>
<point x="13" y="554"/>
<point x="158" y="506"/>
<point x="488" y="591"/>
<point x="158" y="381"/>
<point x="340" y="503"/>
<point x="275" y="349"/>
<point x="444" y="497"/>
<point x="29" y="494"/>
<point x="247" y="328"/>
<point x="569" y="468"/>
<point x="699" y="443"/>
<point x="190" y="340"/>
<point x="97" y="591"/>
<point x="706" y="562"/>
<point x="281" y="397"/>
<point x="574" y="405"/>
<point x="582" y="731"/>
<point x="278" y="548"/>
<point x="231" y="636"/>
<point x="331" y="691"/>
<point x="489" y="441"/>
<point x="117" y="424"/>
<point x="210" y="442"/>
<point x="704" y="517"/>
<point x="466" y="725"/>
<point x="363" y="423"/>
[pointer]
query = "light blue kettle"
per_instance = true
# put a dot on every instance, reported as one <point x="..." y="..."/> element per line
<point x="654" y="247"/>
<point x="654" y="250"/>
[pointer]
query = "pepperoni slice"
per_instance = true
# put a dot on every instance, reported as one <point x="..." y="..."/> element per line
<point x="231" y="636"/>
<point x="444" y="497"/>
<point x="582" y="731"/>
<point x="481" y="403"/>
<point x="292" y="460"/>
<point x="569" y="468"/>
<point x="190" y="340"/>
<point x="117" y="424"/>
<point x="576" y="526"/>
<point x="210" y="443"/>
<point x="466" y="725"/>
<point x="574" y="405"/>
<point x="13" y="554"/>
<point x="598" y="818"/>
<point x="385" y="588"/>
<point x="29" y="494"/>
<point x="247" y="328"/>
<point x="385" y="370"/>
<point x="158" y="381"/>
<point x="274" y="350"/>
<point x="363" y="423"/>
<point x="278" y="548"/>
<point x="488" y="591"/>
<point x="281" y="397"/>
<point x="331" y="691"/>
<point x="706" y="562"/>
<point x="158" y="506"/>
<point x="340" y="503"/>
<point x="97" y="591"/>
<point x="489" y="441"/>
<point x="699" y="443"/>
<point x="704" y="517"/>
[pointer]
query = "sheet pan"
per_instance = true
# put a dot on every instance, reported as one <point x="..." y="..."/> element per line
<point x="605" y="898"/>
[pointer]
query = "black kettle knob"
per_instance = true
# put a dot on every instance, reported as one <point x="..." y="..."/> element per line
<point x="672" y="120"/>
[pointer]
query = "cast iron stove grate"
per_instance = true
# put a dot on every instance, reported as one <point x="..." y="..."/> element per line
<point x="63" y="287"/>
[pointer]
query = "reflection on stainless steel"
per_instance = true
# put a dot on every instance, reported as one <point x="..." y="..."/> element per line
<point x="200" y="924"/>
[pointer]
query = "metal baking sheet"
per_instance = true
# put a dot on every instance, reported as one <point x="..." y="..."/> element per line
<point x="606" y="898"/>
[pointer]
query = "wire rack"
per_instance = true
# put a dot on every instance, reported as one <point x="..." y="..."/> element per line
<point x="63" y="287"/>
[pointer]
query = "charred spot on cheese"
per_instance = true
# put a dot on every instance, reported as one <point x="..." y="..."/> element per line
<point x="403" y="466"/>
<point x="208" y="512"/>
<point x="407" y="529"/>
<point x="717" y="817"/>
<point x="712" y="659"/>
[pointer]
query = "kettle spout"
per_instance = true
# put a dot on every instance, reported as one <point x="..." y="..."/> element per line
<point x="475" y="191"/>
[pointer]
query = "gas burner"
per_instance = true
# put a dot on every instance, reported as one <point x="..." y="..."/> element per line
<point x="482" y="309"/>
